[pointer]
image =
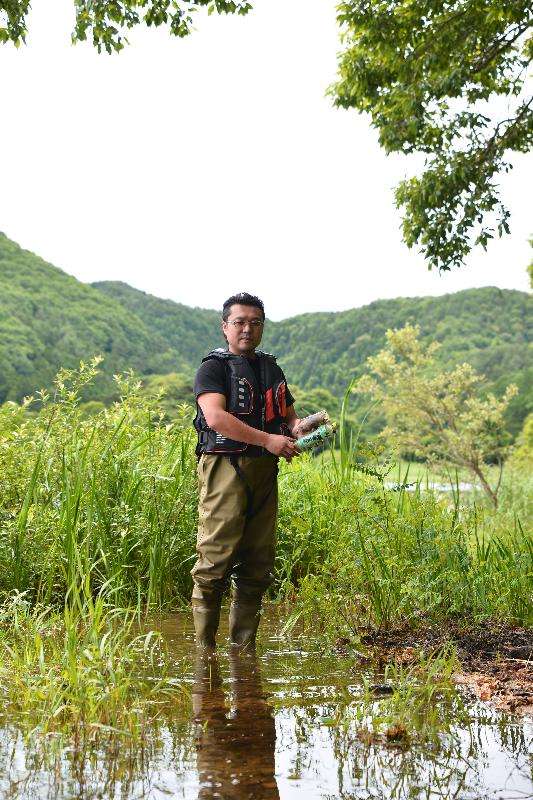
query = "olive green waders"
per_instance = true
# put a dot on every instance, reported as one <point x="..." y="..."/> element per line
<point x="236" y="539"/>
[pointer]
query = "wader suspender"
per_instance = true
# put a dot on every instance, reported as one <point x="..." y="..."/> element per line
<point x="251" y="512"/>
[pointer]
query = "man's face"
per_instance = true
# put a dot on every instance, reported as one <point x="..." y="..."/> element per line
<point x="243" y="329"/>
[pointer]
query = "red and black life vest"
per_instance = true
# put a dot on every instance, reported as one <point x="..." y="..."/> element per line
<point x="261" y="406"/>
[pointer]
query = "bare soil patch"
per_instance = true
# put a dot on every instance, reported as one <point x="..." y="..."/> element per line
<point x="496" y="661"/>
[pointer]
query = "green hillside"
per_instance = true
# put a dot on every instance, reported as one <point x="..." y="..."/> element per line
<point x="191" y="332"/>
<point x="48" y="319"/>
<point x="490" y="328"/>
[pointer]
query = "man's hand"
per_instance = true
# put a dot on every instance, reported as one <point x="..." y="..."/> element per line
<point x="282" y="446"/>
<point x="295" y="430"/>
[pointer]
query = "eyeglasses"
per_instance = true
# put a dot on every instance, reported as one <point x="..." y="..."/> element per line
<point x="241" y="323"/>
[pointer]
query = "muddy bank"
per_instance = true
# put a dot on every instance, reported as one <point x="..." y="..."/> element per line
<point x="496" y="661"/>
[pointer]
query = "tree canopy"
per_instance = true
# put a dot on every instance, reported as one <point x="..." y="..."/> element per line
<point x="107" y="20"/>
<point x="449" y="79"/>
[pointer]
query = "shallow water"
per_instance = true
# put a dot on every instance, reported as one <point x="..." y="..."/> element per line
<point x="278" y="724"/>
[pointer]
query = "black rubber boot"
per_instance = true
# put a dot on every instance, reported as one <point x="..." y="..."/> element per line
<point x="244" y="620"/>
<point x="207" y="690"/>
<point x="206" y="616"/>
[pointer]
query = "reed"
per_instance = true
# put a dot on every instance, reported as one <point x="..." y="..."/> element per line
<point x="111" y="498"/>
<point x="80" y="675"/>
<point x="359" y="553"/>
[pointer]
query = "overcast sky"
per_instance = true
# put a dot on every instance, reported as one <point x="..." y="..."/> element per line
<point x="196" y="168"/>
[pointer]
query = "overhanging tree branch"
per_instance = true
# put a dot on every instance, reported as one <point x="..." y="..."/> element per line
<point x="419" y="69"/>
<point x="106" y="21"/>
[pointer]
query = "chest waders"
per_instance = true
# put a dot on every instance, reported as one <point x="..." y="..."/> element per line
<point x="236" y="533"/>
<point x="251" y="510"/>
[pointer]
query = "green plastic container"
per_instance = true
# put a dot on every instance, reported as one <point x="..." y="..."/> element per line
<point x="316" y="438"/>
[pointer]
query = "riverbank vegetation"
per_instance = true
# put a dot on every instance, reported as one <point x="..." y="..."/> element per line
<point x="80" y="672"/>
<point x="357" y="553"/>
<point x="98" y="525"/>
<point x="110" y="499"/>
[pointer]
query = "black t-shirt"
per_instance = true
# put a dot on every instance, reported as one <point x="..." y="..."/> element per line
<point x="211" y="377"/>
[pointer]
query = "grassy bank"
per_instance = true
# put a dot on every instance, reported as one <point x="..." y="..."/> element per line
<point x="108" y="500"/>
<point x="97" y="524"/>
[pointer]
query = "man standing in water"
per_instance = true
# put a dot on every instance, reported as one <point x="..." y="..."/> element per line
<point x="244" y="409"/>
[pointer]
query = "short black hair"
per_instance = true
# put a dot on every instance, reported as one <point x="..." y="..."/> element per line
<point x="242" y="299"/>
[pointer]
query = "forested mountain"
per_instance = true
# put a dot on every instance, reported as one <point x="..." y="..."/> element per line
<point x="49" y="319"/>
<point x="191" y="332"/>
<point x="490" y="328"/>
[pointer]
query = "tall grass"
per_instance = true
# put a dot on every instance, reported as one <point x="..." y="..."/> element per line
<point x="110" y="498"/>
<point x="97" y="523"/>
<point x="108" y="504"/>
<point x="83" y="670"/>
<point x="354" y="552"/>
<point x="85" y="699"/>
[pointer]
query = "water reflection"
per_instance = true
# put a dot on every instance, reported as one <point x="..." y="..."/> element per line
<point x="236" y="731"/>
<point x="280" y="724"/>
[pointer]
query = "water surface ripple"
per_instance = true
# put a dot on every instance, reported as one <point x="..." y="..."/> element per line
<point x="279" y="723"/>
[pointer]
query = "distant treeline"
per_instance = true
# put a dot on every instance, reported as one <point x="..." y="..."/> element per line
<point x="49" y="320"/>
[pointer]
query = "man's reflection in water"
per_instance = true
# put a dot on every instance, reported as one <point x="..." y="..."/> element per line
<point x="236" y="739"/>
